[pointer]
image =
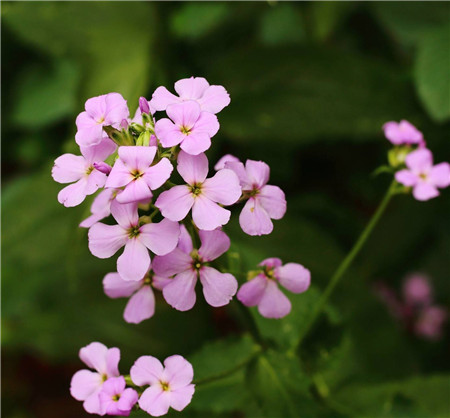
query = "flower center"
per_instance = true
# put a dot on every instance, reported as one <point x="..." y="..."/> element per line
<point x="269" y="273"/>
<point x="101" y="120"/>
<point x="196" y="189"/>
<point x="185" y="130"/>
<point x="148" y="279"/>
<point x="197" y="262"/>
<point x="136" y="174"/>
<point x="423" y="176"/>
<point x="90" y="169"/>
<point x="134" y="231"/>
<point x="115" y="398"/>
<point x="165" y="386"/>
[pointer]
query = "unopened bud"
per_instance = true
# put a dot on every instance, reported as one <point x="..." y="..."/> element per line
<point x="124" y="124"/>
<point x="143" y="105"/>
<point x="102" y="167"/>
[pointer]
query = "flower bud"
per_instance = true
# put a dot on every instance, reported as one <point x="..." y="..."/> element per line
<point x="102" y="167"/>
<point x="124" y="124"/>
<point x="143" y="105"/>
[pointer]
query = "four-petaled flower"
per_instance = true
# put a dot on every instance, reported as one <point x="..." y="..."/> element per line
<point x="70" y="168"/>
<point x="265" y="202"/>
<point x="133" y="170"/>
<point x="115" y="399"/>
<point x="210" y="98"/>
<point x="422" y="176"/>
<point x="86" y="384"/>
<point x="263" y="289"/>
<point x="189" y="264"/>
<point x="106" y="240"/>
<point x="106" y="110"/>
<point x="403" y="133"/>
<point x="200" y="194"/>
<point x="189" y="127"/>
<point x="170" y="385"/>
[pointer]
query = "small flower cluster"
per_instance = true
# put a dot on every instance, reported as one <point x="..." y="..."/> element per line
<point x="416" y="308"/>
<point x="414" y="162"/>
<point x="170" y="226"/>
<point x="154" y="387"/>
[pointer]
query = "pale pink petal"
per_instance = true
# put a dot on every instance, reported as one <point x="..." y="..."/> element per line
<point x="92" y="403"/>
<point x="112" y="362"/>
<point x="218" y="288"/>
<point x="84" y="383"/>
<point x="419" y="161"/>
<point x="251" y="292"/>
<point x="293" y="277"/>
<point x="126" y="214"/>
<point x="95" y="180"/>
<point x="160" y="238"/>
<point x="424" y="191"/>
<point x="103" y="200"/>
<point x="271" y="262"/>
<point x="180" y="398"/>
<point x="73" y="194"/>
<point x="155" y="401"/>
<point x="406" y="177"/>
<point x="159" y="282"/>
<point x="137" y="157"/>
<point x="173" y="263"/>
<point x="94" y="356"/>
<point x="85" y="121"/>
<point x="214" y="244"/>
<point x="158" y="174"/>
<point x="274" y="303"/>
<point x="208" y="215"/>
<point x="99" y="152"/>
<point x="184" y="114"/>
<point x="196" y="143"/>
<point x="258" y="172"/>
<point x="120" y="175"/>
<point x="106" y="240"/>
<point x="115" y="287"/>
<point x="94" y="218"/>
<point x="134" y="261"/>
<point x="89" y="132"/>
<point x="135" y="191"/>
<point x="185" y="240"/>
<point x="69" y="168"/>
<point x="116" y="108"/>
<point x="140" y="306"/>
<point x="178" y="371"/>
<point x="254" y="220"/>
<point x="214" y="99"/>
<point x="273" y="200"/>
<point x="191" y="88"/>
<point x="192" y="168"/>
<point x="223" y="188"/>
<point x="162" y="98"/>
<point x="96" y="107"/>
<point x="168" y="133"/>
<point x="127" y="400"/>
<point x="440" y="175"/>
<point x="227" y="158"/>
<point x="207" y="123"/>
<point x="239" y="170"/>
<point x="146" y="370"/>
<point x="175" y="203"/>
<point x="180" y="292"/>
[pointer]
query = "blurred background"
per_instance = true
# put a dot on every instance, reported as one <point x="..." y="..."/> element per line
<point x="311" y="85"/>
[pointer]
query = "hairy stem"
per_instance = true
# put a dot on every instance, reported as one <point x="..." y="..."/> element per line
<point x="348" y="261"/>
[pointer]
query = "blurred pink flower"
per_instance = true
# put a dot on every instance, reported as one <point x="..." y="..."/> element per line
<point x="402" y="133"/>
<point x="417" y="290"/>
<point x="115" y="399"/>
<point x="430" y="322"/>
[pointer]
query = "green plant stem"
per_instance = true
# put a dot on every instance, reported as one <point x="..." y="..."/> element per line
<point x="251" y="324"/>
<point x="348" y="261"/>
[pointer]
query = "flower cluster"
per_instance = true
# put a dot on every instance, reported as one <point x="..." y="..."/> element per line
<point x="104" y="391"/>
<point x="162" y="210"/>
<point x="415" y="309"/>
<point x="414" y="162"/>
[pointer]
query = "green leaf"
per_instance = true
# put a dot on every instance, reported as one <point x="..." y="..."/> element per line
<point x="432" y="69"/>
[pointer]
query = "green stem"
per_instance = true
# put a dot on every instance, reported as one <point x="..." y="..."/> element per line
<point x="251" y="324"/>
<point x="348" y="260"/>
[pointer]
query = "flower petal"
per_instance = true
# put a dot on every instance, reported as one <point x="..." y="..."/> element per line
<point x="218" y="288"/>
<point x="135" y="191"/>
<point x="73" y="194"/>
<point x="440" y="175"/>
<point x="160" y="238"/>
<point x="419" y="161"/>
<point x="115" y="287"/>
<point x="258" y="172"/>
<point x="116" y="108"/>
<point x="155" y="401"/>
<point x="184" y="114"/>
<point x="254" y="220"/>
<point x="120" y="175"/>
<point x="208" y="215"/>
<point x="175" y="203"/>
<point x="168" y="133"/>
<point x="173" y="263"/>
<point x="69" y="168"/>
<point x="92" y="403"/>
<point x="106" y="240"/>
<point x="140" y="306"/>
<point x="162" y="98"/>
<point x="127" y="400"/>
<point x="273" y="200"/>
<point x="112" y="362"/>
<point x="180" y="292"/>
<point x="84" y="383"/>
<point x="134" y="261"/>
<point x="406" y="177"/>
<point x="251" y="292"/>
<point x="274" y="303"/>
<point x="191" y="88"/>
<point x="94" y="356"/>
<point x="146" y="370"/>
<point x="227" y="158"/>
<point x="179" y="371"/>
<point x="155" y="176"/>
<point x="193" y="168"/>
<point x="196" y="143"/>
<point x="424" y="191"/>
<point x="271" y="262"/>
<point x="137" y="157"/>
<point x="207" y="123"/>
<point x="214" y="244"/>
<point x="180" y="398"/>
<point x="185" y="240"/>
<point x="239" y="170"/>
<point x="99" y="152"/>
<point x="214" y="99"/>
<point x="293" y="277"/>
<point x="126" y="214"/>
<point x="223" y="187"/>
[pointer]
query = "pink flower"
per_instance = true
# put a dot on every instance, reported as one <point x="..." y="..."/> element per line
<point x="86" y="384"/>
<point x="263" y="289"/>
<point x="228" y="158"/>
<point x="430" y="323"/>
<point x="188" y="265"/>
<point x="106" y="240"/>
<point x="200" y="194"/>
<point x="170" y="385"/>
<point x="210" y="98"/>
<point x="190" y="127"/>
<point x="133" y="170"/>
<point x="423" y="176"/>
<point x="101" y="111"/>
<point x="403" y="133"/>
<point x="417" y="291"/>
<point x="80" y="170"/>
<point x="115" y="399"/>
<point x="142" y="301"/>
<point x="100" y="208"/>
<point x="265" y="202"/>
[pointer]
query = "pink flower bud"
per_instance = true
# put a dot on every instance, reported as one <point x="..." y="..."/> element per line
<point x="102" y="167"/>
<point x="124" y="124"/>
<point x="143" y="105"/>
